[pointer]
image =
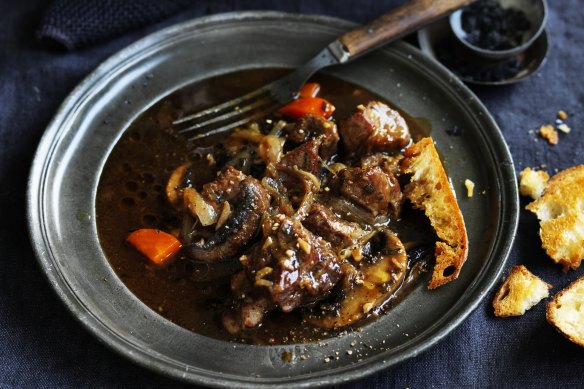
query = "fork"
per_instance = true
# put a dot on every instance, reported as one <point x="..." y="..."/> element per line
<point x="268" y="98"/>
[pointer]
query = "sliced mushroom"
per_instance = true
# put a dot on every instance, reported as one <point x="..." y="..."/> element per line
<point x="382" y="267"/>
<point x="239" y="228"/>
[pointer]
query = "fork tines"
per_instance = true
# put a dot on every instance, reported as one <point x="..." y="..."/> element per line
<point x="229" y="115"/>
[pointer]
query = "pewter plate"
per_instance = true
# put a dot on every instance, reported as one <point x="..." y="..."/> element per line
<point x="73" y="151"/>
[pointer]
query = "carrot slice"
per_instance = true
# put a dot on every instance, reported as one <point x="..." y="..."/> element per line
<point x="310" y="89"/>
<point x="306" y="105"/>
<point x="158" y="246"/>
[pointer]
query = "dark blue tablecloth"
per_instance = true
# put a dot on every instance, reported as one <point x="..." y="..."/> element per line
<point x="41" y="345"/>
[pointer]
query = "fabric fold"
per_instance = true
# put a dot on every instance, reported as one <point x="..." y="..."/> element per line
<point x="73" y="24"/>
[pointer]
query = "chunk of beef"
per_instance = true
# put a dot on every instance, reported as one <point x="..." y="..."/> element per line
<point x="247" y="313"/>
<point x="225" y="188"/>
<point x="387" y="163"/>
<point x="303" y="157"/>
<point x="294" y="267"/>
<point x="240" y="284"/>
<point x="253" y="311"/>
<point x="315" y="127"/>
<point x="374" y="127"/>
<point x="324" y="223"/>
<point x="373" y="189"/>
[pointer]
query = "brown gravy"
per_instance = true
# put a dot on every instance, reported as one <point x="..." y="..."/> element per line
<point x="131" y="196"/>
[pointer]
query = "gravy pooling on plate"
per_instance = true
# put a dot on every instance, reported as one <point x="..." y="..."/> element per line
<point x="196" y="294"/>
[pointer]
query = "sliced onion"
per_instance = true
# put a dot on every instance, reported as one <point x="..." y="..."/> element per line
<point x="276" y="190"/>
<point x="173" y="187"/>
<point x="187" y="226"/>
<point x="251" y="134"/>
<point x="225" y="213"/>
<point x="313" y="183"/>
<point x="200" y="208"/>
<point x="278" y="127"/>
<point x="353" y="212"/>
<point x="271" y="149"/>
<point x="335" y="168"/>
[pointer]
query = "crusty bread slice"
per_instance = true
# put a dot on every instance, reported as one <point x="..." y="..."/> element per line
<point x="520" y="291"/>
<point x="561" y="213"/>
<point x="430" y="191"/>
<point x="566" y="311"/>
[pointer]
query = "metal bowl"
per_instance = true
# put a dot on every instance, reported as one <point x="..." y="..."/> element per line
<point x="535" y="11"/>
<point x="76" y="145"/>
<point x="438" y="39"/>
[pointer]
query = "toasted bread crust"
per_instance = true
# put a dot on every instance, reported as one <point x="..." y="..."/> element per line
<point x="560" y="210"/>
<point x="430" y="191"/>
<point x="562" y="316"/>
<point x="521" y="291"/>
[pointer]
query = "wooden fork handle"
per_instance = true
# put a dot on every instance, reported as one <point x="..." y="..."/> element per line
<point x="397" y="23"/>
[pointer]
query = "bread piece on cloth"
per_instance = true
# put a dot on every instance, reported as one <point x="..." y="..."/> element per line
<point x="520" y="291"/>
<point x="560" y="210"/>
<point x="532" y="182"/>
<point x="566" y="311"/>
<point x="430" y="191"/>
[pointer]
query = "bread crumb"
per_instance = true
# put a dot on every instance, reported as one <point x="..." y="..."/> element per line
<point x="562" y="115"/>
<point x="566" y="311"/>
<point x="548" y="133"/>
<point x="564" y="128"/>
<point x="469" y="187"/>
<point x="532" y="182"/>
<point x="520" y="291"/>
